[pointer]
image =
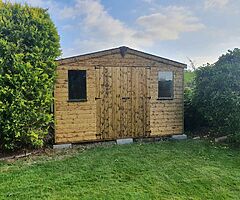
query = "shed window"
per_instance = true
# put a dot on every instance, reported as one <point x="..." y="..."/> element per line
<point x="165" y="85"/>
<point x="77" y="85"/>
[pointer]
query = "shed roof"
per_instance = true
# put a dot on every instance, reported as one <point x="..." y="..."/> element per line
<point x="123" y="50"/>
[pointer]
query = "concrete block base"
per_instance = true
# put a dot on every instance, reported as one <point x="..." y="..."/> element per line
<point x="62" y="146"/>
<point x="179" y="137"/>
<point x="125" y="141"/>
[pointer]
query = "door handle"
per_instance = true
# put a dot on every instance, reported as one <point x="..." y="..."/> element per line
<point x="125" y="97"/>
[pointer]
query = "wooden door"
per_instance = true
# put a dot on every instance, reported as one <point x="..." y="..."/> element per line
<point x="122" y="102"/>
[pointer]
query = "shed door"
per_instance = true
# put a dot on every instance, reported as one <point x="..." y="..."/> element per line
<point x="122" y="101"/>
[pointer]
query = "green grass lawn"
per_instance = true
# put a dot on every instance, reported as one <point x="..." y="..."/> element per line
<point x="163" y="170"/>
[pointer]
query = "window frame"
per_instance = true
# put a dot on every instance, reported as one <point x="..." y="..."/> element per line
<point x="77" y="100"/>
<point x="172" y="88"/>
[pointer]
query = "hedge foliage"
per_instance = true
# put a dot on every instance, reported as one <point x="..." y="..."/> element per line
<point x="194" y="121"/>
<point x="216" y="94"/>
<point x="29" y="44"/>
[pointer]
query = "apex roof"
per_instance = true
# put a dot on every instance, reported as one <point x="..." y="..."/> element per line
<point x="123" y="50"/>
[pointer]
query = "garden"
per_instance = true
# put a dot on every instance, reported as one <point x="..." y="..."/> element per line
<point x="196" y="168"/>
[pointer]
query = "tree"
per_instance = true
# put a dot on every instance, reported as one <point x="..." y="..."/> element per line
<point x="29" y="45"/>
<point x="217" y="93"/>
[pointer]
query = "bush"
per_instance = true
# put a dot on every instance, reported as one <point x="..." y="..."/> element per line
<point x="217" y="94"/>
<point x="193" y="120"/>
<point x="29" y="44"/>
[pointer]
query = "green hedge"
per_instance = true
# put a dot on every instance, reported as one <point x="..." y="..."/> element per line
<point x="29" y="44"/>
<point x="217" y="94"/>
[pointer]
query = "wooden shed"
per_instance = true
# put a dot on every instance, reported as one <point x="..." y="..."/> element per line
<point x="117" y="93"/>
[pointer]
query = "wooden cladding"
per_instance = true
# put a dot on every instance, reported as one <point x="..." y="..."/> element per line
<point x="123" y="103"/>
<point x="122" y="100"/>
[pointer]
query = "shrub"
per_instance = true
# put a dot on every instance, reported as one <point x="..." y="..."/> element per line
<point x="29" y="44"/>
<point x="193" y="120"/>
<point x="217" y="93"/>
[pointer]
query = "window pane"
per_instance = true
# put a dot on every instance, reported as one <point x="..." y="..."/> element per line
<point x="77" y="84"/>
<point x="165" y="84"/>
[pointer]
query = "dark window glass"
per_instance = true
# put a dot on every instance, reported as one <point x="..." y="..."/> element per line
<point x="165" y="85"/>
<point x="77" y="85"/>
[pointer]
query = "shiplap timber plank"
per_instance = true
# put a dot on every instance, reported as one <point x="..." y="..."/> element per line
<point x="165" y="116"/>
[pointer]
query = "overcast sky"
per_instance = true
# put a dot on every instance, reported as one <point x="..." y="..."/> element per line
<point x="201" y="30"/>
